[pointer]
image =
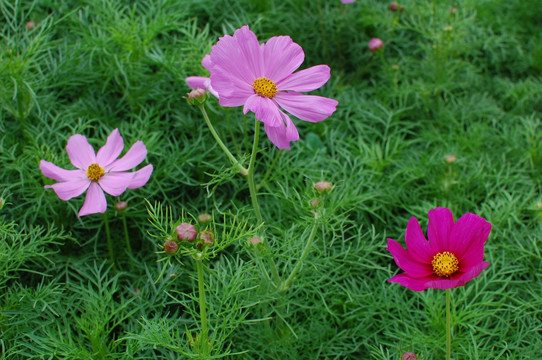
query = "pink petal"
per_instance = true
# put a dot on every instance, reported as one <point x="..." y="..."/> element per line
<point x="467" y="240"/>
<point x="232" y="90"/>
<point x="306" y="107"/>
<point x="251" y="52"/>
<point x="282" y="135"/>
<point x="141" y="177"/>
<point x="206" y="62"/>
<point x="419" y="284"/>
<point x="69" y="189"/>
<point x="54" y="172"/>
<point x="197" y="82"/>
<point x="404" y="260"/>
<point x="306" y="80"/>
<point x="440" y="226"/>
<point x="115" y="183"/>
<point x="473" y="271"/>
<point x="131" y="159"/>
<point x="80" y="152"/>
<point x="282" y="57"/>
<point x="417" y="246"/>
<point x="94" y="202"/>
<point x="111" y="150"/>
<point x="266" y="110"/>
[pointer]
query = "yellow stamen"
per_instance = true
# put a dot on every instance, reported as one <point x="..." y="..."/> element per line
<point x="264" y="87"/>
<point x="95" y="172"/>
<point x="445" y="264"/>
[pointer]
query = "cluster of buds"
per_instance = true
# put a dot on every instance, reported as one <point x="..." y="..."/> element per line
<point x="394" y="6"/>
<point x="187" y="235"/>
<point x="322" y="188"/>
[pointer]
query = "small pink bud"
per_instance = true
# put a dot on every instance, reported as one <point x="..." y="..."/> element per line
<point x="393" y="6"/>
<point x="207" y="237"/>
<point x="402" y="8"/>
<point x="453" y="11"/>
<point x="375" y="44"/>
<point x="255" y="240"/>
<point x="315" y="202"/>
<point x="30" y="25"/>
<point x="1" y="203"/>
<point x="323" y="186"/>
<point x="186" y="231"/>
<point x="539" y="204"/>
<point x="409" y="356"/>
<point x="137" y="291"/>
<point x="171" y="247"/>
<point x="121" y="205"/>
<point x="204" y="218"/>
<point x="197" y="97"/>
<point x="450" y="159"/>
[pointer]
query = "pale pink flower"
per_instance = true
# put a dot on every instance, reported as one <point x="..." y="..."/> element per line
<point x="201" y="82"/>
<point x="453" y="255"/>
<point x="98" y="172"/>
<point x="347" y="1"/>
<point x="260" y="77"/>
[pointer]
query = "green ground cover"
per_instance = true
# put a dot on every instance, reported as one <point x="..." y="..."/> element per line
<point x="459" y="78"/>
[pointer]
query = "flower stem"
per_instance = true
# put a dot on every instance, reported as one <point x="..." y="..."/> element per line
<point x="448" y="327"/>
<point x="219" y="141"/>
<point x="284" y="286"/>
<point x="250" y="177"/>
<point x="204" y="343"/>
<point x="109" y="242"/>
<point x="128" y="245"/>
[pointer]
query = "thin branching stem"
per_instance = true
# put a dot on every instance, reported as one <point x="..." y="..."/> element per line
<point x="127" y="238"/>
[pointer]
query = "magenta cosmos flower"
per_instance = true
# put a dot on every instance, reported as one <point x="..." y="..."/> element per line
<point x="98" y="172"/>
<point x="453" y="255"/>
<point x="261" y="78"/>
<point x="201" y="82"/>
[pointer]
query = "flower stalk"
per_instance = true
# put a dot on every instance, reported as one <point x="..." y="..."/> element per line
<point x="250" y="177"/>
<point x="203" y="338"/>
<point x="127" y="238"/>
<point x="448" y="327"/>
<point x="109" y="242"/>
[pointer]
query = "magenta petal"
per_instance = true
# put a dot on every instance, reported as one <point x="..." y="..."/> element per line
<point x="206" y="62"/>
<point x="282" y="57"/>
<point x="417" y="246"/>
<point x="115" y="183"/>
<point x="306" y="107"/>
<point x="141" y="177"/>
<point x="473" y="271"/>
<point x="250" y="51"/>
<point x="440" y="226"/>
<point x="111" y="150"/>
<point x="94" y="202"/>
<point x="282" y="135"/>
<point x="406" y="262"/>
<point x="69" y="189"/>
<point x="265" y="109"/>
<point x="131" y="159"/>
<point x="419" y="284"/>
<point x="306" y="80"/>
<point x="80" y="152"/>
<point x="197" y="82"/>
<point x="232" y="90"/>
<point x="467" y="239"/>
<point x="59" y="174"/>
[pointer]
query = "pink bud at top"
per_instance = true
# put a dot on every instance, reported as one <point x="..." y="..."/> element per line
<point x="171" y="247"/>
<point x="255" y="240"/>
<point x="30" y="25"/>
<point x="197" y="97"/>
<point x="323" y="186"/>
<point x="186" y="231"/>
<point x="393" y="6"/>
<point x="375" y="44"/>
<point x="409" y="356"/>
<point x="121" y="205"/>
<point x="207" y="237"/>
<point x="450" y="159"/>
<point x="204" y="218"/>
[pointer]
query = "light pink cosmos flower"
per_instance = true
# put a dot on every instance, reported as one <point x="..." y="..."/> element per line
<point x="453" y="255"/>
<point x="261" y="78"/>
<point x="347" y="1"/>
<point x="201" y="82"/>
<point x="98" y="172"/>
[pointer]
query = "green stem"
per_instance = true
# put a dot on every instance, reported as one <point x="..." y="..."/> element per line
<point x="204" y="343"/>
<point x="219" y="141"/>
<point x="109" y="242"/>
<point x="306" y="250"/>
<point x="448" y="327"/>
<point x="250" y="177"/>
<point x="128" y="245"/>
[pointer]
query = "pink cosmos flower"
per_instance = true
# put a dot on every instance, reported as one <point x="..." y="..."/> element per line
<point x="201" y="82"/>
<point x="98" y="172"/>
<point x="375" y="44"/>
<point x="347" y="1"/>
<point x="453" y="255"/>
<point x="261" y="78"/>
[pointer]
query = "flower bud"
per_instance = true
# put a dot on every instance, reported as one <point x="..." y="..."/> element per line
<point x="393" y="7"/>
<point x="207" y="237"/>
<point x="409" y="356"/>
<point x="197" y="97"/>
<point x="453" y="11"/>
<point x="375" y="44"/>
<point x="315" y="202"/>
<point x="186" y="231"/>
<point x="1" y="203"/>
<point x="30" y="25"/>
<point x="402" y="8"/>
<point x="323" y="186"/>
<point x="121" y="205"/>
<point x="539" y="204"/>
<point x="204" y="218"/>
<point x="255" y="240"/>
<point x="450" y="159"/>
<point x="171" y="247"/>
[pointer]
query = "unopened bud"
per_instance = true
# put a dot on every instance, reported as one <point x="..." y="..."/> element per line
<point x="539" y="204"/>
<point x="171" y="247"/>
<point x="395" y="67"/>
<point x="409" y="356"/>
<point x="315" y="202"/>
<point x="450" y="159"/>
<point x="30" y="25"/>
<point x="393" y="6"/>
<point x="448" y="28"/>
<point x="186" y="231"/>
<point x="197" y="97"/>
<point x="121" y="205"/>
<point x="207" y="237"/>
<point x="375" y="44"/>
<point x="137" y="291"/>
<point x="323" y="186"/>
<point x="402" y="8"/>
<point x="204" y="218"/>
<point x="453" y="11"/>
<point x="255" y="240"/>
<point x="1" y="203"/>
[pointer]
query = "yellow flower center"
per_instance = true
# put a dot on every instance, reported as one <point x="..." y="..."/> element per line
<point x="95" y="172"/>
<point x="264" y="87"/>
<point x="445" y="264"/>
